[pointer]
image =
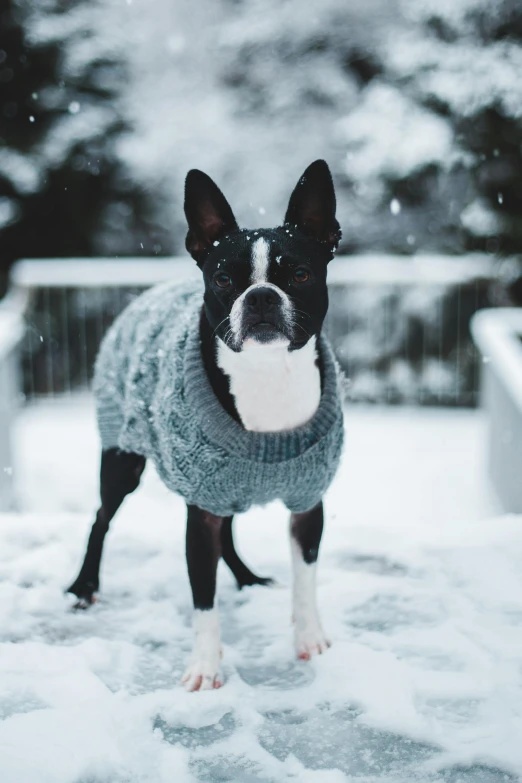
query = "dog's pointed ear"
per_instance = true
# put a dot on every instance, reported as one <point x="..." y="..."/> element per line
<point x="312" y="205"/>
<point x="208" y="214"/>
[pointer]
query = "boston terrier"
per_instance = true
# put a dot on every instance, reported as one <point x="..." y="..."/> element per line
<point x="231" y="389"/>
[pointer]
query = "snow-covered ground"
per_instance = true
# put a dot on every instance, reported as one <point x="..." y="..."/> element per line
<point x="420" y="588"/>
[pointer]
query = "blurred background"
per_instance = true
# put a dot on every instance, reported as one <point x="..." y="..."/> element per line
<point x="415" y="104"/>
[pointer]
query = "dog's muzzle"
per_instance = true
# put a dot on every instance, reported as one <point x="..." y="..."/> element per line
<point x="261" y="313"/>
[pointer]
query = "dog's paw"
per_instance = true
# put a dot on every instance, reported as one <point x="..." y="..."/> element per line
<point x="202" y="675"/>
<point x="250" y="581"/>
<point x="310" y="640"/>
<point x="82" y="604"/>
<point x="203" y="672"/>
<point x="85" y="592"/>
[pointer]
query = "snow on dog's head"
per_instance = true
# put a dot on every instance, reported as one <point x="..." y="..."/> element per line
<point x="264" y="285"/>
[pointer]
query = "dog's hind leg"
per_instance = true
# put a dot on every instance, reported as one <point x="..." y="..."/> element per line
<point x="120" y="474"/>
<point x="244" y="576"/>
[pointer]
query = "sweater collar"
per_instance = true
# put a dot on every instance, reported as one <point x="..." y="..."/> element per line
<point x="222" y="430"/>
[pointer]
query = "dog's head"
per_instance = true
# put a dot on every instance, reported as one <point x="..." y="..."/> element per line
<point x="266" y="285"/>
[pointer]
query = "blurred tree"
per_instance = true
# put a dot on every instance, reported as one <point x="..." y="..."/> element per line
<point x="63" y="189"/>
<point x="437" y="141"/>
<point x="417" y="103"/>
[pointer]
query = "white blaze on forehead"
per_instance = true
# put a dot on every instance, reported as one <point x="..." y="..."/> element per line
<point x="260" y="261"/>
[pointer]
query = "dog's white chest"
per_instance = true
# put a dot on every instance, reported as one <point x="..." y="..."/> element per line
<point x="274" y="389"/>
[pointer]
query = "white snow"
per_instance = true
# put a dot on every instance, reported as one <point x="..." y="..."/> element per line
<point x="390" y="135"/>
<point x="461" y="14"/>
<point x="11" y="331"/>
<point x="419" y="589"/>
<point x="467" y="78"/>
<point x="228" y="89"/>
<point x="21" y="171"/>
<point x="9" y="211"/>
<point x="481" y="220"/>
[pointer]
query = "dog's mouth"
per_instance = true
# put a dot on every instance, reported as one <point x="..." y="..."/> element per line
<point x="264" y="332"/>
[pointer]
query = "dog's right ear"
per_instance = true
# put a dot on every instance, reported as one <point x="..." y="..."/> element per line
<point x="208" y="213"/>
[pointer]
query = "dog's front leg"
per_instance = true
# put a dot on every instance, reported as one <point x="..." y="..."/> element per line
<point x="203" y="553"/>
<point x="305" y="536"/>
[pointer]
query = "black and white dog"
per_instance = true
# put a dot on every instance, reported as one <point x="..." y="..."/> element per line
<point x="264" y="305"/>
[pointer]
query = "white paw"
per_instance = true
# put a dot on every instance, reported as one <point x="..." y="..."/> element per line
<point x="310" y="640"/>
<point x="202" y="675"/>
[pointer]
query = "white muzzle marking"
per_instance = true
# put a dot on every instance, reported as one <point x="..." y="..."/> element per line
<point x="238" y="308"/>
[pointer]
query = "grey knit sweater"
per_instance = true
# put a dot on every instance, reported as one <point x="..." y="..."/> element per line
<point x="154" y="398"/>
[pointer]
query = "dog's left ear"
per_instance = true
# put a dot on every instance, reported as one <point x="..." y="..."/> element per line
<point x="208" y="213"/>
<point x="312" y="205"/>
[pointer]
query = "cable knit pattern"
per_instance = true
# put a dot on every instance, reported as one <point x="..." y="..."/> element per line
<point x="154" y="398"/>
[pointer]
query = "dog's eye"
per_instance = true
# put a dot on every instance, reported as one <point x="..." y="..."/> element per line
<point x="301" y="275"/>
<point x="222" y="280"/>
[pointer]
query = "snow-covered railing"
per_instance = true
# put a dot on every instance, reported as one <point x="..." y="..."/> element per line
<point x="70" y="303"/>
<point x="399" y="325"/>
<point x="30" y="274"/>
<point x="11" y="333"/>
<point x="498" y="336"/>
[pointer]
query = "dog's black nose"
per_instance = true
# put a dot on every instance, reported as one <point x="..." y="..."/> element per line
<point x="261" y="299"/>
